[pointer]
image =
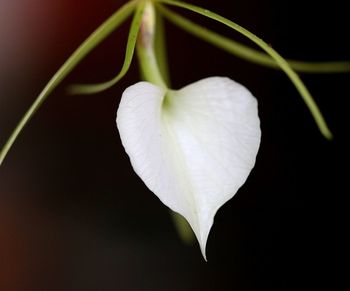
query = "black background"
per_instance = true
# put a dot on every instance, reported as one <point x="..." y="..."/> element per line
<point x="74" y="215"/>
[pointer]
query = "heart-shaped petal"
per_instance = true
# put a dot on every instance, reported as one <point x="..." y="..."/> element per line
<point x="193" y="147"/>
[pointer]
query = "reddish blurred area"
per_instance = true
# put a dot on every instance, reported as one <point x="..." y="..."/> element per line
<point x="30" y="249"/>
<point x="74" y="215"/>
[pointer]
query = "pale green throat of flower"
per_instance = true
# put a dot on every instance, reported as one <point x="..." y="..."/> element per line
<point x="193" y="147"/>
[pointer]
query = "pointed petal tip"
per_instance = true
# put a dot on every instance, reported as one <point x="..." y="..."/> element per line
<point x="203" y="232"/>
<point x="203" y="251"/>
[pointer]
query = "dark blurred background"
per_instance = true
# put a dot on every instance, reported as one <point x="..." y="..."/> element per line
<point x="74" y="215"/>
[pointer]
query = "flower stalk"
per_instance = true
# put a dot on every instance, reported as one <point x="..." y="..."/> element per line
<point x="145" y="47"/>
<point x="152" y="72"/>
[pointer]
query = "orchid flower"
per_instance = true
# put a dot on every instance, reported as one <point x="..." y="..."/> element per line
<point x="193" y="147"/>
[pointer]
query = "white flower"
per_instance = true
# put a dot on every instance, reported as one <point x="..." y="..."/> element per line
<point x="193" y="147"/>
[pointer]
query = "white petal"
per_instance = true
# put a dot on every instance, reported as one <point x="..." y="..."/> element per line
<point x="195" y="148"/>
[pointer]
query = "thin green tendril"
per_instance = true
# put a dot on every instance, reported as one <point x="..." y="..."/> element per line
<point x="89" y="44"/>
<point x="292" y="75"/>
<point x="248" y="53"/>
<point x="130" y="48"/>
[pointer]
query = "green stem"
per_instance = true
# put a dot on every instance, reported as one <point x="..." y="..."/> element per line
<point x="151" y="52"/>
<point x="160" y="49"/>
<point x="145" y="48"/>
<point x="130" y="47"/>
<point x="303" y="91"/>
<point x="183" y="229"/>
<point x="149" y="67"/>
<point x="248" y="53"/>
<point x="89" y="44"/>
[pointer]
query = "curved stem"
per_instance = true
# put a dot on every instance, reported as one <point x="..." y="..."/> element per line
<point x="130" y="47"/>
<point x="303" y="91"/>
<point x="247" y="53"/>
<point x="89" y="44"/>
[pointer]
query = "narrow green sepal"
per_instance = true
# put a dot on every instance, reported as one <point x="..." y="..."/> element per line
<point x="249" y="54"/>
<point x="282" y="63"/>
<point x="86" y="47"/>
<point x="129" y="53"/>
